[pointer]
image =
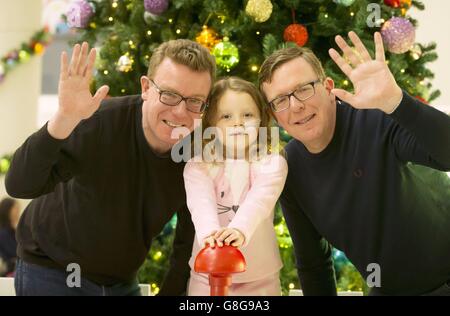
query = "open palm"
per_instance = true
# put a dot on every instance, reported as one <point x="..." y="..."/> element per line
<point x="75" y="99"/>
<point x="374" y="85"/>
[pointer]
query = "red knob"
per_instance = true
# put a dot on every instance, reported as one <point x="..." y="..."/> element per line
<point x="219" y="263"/>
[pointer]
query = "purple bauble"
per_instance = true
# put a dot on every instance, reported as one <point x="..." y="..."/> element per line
<point x="156" y="6"/>
<point x="79" y="13"/>
<point x="13" y="55"/>
<point x="399" y="35"/>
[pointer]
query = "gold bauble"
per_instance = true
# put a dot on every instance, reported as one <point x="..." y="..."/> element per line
<point x="207" y="37"/>
<point x="260" y="10"/>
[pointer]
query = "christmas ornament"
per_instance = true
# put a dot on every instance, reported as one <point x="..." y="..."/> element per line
<point x="226" y="53"/>
<point x="345" y="3"/>
<point x="285" y="137"/>
<point x="398" y="35"/>
<point x="125" y="63"/>
<point x="156" y="7"/>
<point x="79" y="13"/>
<point x="14" y="54"/>
<point x="296" y="33"/>
<point x="392" y="3"/>
<point x="416" y="52"/>
<point x="260" y="10"/>
<point x="38" y="48"/>
<point x="150" y="18"/>
<point x="24" y="56"/>
<point x="11" y="62"/>
<point x="405" y="5"/>
<point x="207" y="37"/>
<point x="29" y="48"/>
<point x="4" y="165"/>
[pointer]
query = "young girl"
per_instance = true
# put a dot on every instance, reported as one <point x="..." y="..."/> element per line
<point x="232" y="198"/>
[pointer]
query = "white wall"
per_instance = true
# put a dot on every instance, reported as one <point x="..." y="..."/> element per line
<point x="434" y="26"/>
<point x="19" y="92"/>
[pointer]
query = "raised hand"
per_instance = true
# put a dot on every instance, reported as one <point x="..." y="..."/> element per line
<point x="374" y="85"/>
<point x="75" y="100"/>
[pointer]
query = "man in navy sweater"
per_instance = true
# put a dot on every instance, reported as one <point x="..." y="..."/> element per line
<point x="354" y="180"/>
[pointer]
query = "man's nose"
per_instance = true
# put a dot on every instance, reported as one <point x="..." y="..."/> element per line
<point x="296" y="105"/>
<point x="180" y="109"/>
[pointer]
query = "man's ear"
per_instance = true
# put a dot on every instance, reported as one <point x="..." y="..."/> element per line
<point x="328" y="84"/>
<point x="145" y="85"/>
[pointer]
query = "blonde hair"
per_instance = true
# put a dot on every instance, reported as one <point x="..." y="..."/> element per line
<point x="238" y="85"/>
<point x="184" y="52"/>
<point x="282" y="56"/>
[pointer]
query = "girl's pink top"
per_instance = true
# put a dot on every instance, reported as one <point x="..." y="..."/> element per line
<point x="240" y="195"/>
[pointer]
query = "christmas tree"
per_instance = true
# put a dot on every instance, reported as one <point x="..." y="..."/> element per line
<point x="241" y="34"/>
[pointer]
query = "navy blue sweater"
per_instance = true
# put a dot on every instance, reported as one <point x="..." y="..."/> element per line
<point x="368" y="195"/>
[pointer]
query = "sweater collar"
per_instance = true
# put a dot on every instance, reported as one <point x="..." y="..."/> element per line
<point x="335" y="140"/>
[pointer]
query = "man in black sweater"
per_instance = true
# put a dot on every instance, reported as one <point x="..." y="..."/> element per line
<point x="354" y="180"/>
<point x="102" y="179"/>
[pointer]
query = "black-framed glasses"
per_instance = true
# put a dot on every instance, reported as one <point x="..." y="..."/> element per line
<point x="173" y="99"/>
<point x="302" y="93"/>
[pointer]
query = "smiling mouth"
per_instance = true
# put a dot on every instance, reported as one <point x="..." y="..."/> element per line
<point x="172" y="124"/>
<point x="305" y="120"/>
